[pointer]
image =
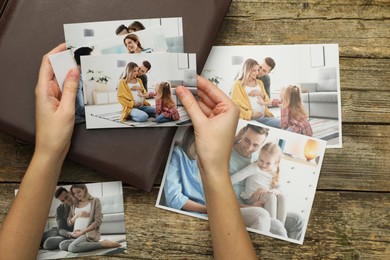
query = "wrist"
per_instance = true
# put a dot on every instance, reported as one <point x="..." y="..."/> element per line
<point x="214" y="173"/>
<point x="50" y="156"/>
<point x="50" y="151"/>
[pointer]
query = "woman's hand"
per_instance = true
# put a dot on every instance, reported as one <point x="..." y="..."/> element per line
<point x="260" y="101"/>
<point x="54" y="126"/>
<point x="215" y="119"/>
<point x="256" y="115"/>
<point x="55" y="111"/>
<point x="137" y="104"/>
<point x="76" y="233"/>
<point x="84" y="214"/>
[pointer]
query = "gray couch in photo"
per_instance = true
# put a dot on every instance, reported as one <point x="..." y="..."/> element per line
<point x="113" y="215"/>
<point x="320" y="98"/>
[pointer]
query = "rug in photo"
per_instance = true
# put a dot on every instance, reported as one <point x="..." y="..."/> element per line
<point x="117" y="92"/>
<point x="292" y="87"/>
<point x="109" y="37"/>
<point x="274" y="174"/>
<point x="98" y="205"/>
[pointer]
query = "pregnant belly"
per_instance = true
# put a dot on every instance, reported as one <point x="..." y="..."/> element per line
<point x="81" y="223"/>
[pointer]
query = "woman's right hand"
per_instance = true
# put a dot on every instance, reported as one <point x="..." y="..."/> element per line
<point x="215" y="119"/>
<point x="256" y="115"/>
<point x="137" y="104"/>
<point x="84" y="214"/>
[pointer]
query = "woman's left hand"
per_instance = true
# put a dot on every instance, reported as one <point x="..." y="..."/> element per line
<point x="77" y="233"/>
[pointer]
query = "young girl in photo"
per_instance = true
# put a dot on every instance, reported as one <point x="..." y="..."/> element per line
<point x="293" y="114"/>
<point x="262" y="177"/>
<point x="166" y="110"/>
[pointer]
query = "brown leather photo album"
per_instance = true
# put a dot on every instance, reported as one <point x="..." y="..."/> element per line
<point x="29" y="29"/>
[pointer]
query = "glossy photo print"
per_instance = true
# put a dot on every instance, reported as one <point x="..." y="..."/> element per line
<point x="290" y="87"/>
<point x="274" y="174"/>
<point x="157" y="34"/>
<point x="136" y="90"/>
<point x="97" y="207"/>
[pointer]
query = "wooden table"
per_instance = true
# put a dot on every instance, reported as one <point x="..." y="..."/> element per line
<point x="351" y="211"/>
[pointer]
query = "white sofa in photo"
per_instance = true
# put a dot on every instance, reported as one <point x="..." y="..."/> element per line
<point x="320" y="98"/>
<point x="113" y="216"/>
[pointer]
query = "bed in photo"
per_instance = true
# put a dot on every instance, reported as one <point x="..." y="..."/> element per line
<point x="274" y="174"/>
<point x="293" y="87"/>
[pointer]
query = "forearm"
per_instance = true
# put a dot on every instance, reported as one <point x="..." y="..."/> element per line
<point x="194" y="206"/>
<point x="35" y="195"/>
<point x="64" y="233"/>
<point x="229" y="236"/>
<point x="89" y="228"/>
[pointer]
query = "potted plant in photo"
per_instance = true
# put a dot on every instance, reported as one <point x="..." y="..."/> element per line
<point x="209" y="74"/>
<point x="98" y="77"/>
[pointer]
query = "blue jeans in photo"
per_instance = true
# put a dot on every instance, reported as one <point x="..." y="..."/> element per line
<point x="79" y="104"/>
<point x="270" y="121"/>
<point x="163" y="119"/>
<point x="141" y="114"/>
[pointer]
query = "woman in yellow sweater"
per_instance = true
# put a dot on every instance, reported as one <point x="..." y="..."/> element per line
<point x="132" y="94"/>
<point x="249" y="94"/>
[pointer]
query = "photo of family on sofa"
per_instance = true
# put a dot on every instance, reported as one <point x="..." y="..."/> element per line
<point x="274" y="176"/>
<point x="134" y="90"/>
<point x="304" y="96"/>
<point x="85" y="219"/>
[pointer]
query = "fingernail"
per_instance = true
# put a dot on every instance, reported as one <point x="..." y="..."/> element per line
<point x="180" y="91"/>
<point x="73" y="72"/>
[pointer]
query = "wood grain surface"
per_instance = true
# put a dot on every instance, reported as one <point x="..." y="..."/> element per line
<point x="350" y="218"/>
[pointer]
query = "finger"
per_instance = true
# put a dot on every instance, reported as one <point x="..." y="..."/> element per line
<point x="205" y="99"/>
<point x="212" y="91"/>
<point x="206" y="109"/>
<point x="69" y="91"/>
<point x="46" y="71"/>
<point x="190" y="104"/>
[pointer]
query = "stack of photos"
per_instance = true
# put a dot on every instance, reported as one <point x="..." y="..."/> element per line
<point x="129" y="72"/>
<point x="270" y="84"/>
<point x="97" y="207"/>
<point x="290" y="111"/>
<point x="274" y="174"/>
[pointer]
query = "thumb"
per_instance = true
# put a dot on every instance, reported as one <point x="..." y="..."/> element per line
<point x="69" y="91"/>
<point x="190" y="104"/>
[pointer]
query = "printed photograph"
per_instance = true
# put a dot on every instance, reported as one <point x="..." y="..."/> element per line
<point x="274" y="174"/>
<point x="157" y="34"/>
<point x="136" y="90"/>
<point x="85" y="220"/>
<point x="61" y="63"/>
<point x="145" y="41"/>
<point x="290" y="87"/>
